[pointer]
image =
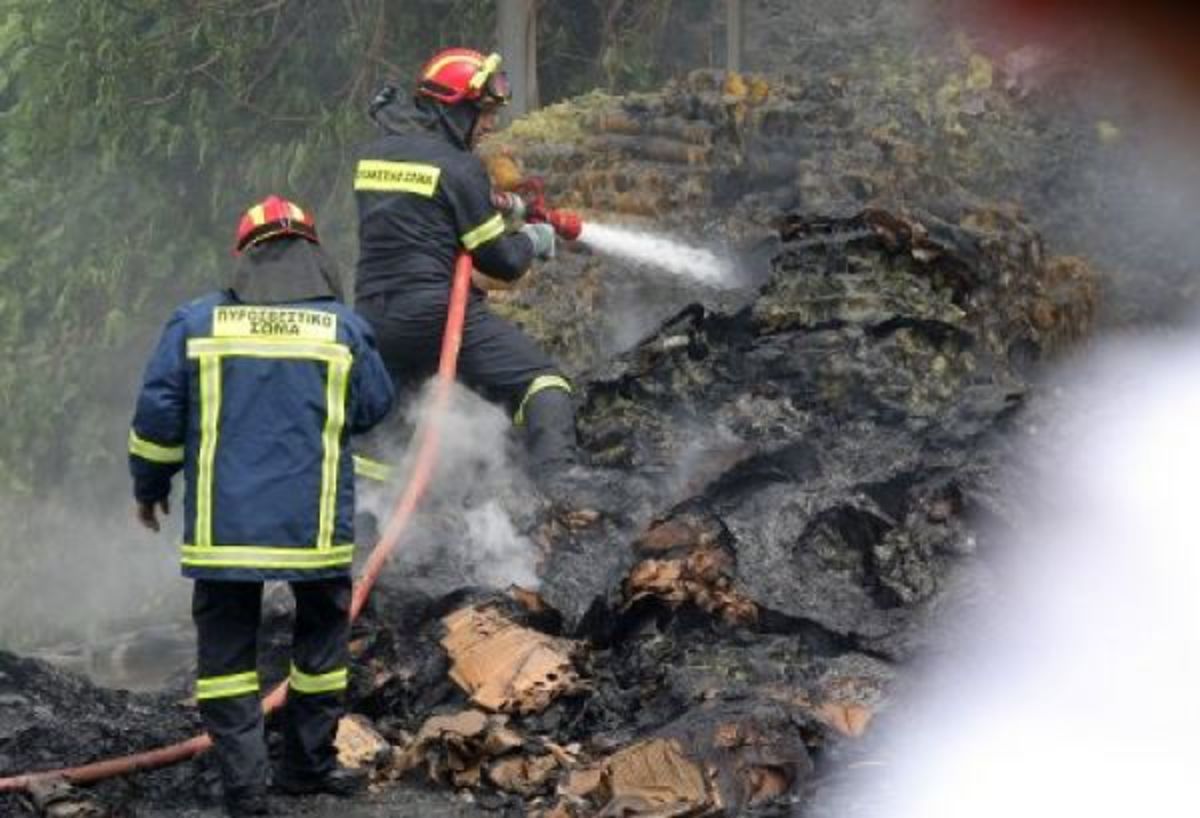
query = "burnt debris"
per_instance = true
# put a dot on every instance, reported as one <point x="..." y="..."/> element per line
<point x="790" y="479"/>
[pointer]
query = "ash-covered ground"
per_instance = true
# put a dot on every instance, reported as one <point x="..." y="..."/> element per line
<point x="794" y="478"/>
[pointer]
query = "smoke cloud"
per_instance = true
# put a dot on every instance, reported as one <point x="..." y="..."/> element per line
<point x="94" y="570"/>
<point x="463" y="534"/>
<point x="1077" y="696"/>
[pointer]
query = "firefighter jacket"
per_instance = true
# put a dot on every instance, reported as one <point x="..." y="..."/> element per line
<point x="256" y="404"/>
<point x="422" y="198"/>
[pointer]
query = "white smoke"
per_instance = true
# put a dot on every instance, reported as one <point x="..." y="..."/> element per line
<point x="462" y="530"/>
<point x="500" y="555"/>
<point x="89" y="571"/>
<point x="1079" y="698"/>
<point x="661" y="252"/>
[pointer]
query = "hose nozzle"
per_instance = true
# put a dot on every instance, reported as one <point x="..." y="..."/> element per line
<point x="566" y="223"/>
<point x="528" y="203"/>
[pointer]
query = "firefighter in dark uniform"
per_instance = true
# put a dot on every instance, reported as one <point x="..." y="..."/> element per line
<point x="254" y="391"/>
<point x="423" y="197"/>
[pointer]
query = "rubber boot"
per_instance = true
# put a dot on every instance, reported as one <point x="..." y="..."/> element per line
<point x="550" y="431"/>
<point x="244" y="803"/>
<point x="344" y="782"/>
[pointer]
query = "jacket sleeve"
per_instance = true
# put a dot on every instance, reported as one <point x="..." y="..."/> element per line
<point x="156" y="438"/>
<point x="371" y="391"/>
<point x="481" y="231"/>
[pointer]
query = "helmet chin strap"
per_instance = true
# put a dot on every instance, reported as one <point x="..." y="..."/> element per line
<point x="471" y="133"/>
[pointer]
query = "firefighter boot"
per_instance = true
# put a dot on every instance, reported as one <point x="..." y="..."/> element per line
<point x="340" y="781"/>
<point x="556" y="467"/>
<point x="549" y="420"/>
<point x="242" y="803"/>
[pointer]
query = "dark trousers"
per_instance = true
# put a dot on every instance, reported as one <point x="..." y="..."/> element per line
<point x="227" y="618"/>
<point x="497" y="360"/>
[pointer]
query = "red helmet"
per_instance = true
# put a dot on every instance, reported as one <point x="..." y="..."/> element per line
<point x="273" y="216"/>
<point x="460" y="74"/>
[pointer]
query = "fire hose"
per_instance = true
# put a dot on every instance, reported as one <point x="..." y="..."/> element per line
<point x="427" y="437"/>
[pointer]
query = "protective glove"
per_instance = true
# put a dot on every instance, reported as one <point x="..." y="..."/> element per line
<point x="543" y="238"/>
<point x="147" y="513"/>
<point x="511" y="205"/>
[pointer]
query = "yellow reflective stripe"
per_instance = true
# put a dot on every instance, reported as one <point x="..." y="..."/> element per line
<point x="336" y="383"/>
<point x="258" y="215"/>
<point x="210" y="352"/>
<point x="152" y="451"/>
<point x="268" y="348"/>
<point x="254" y="556"/>
<point x="480" y="77"/>
<point x="539" y="383"/>
<point x="433" y="69"/>
<point x="210" y="413"/>
<point x="224" y="687"/>
<point x="484" y="233"/>
<point x="331" y="682"/>
<point x="396" y="177"/>
<point x="371" y="469"/>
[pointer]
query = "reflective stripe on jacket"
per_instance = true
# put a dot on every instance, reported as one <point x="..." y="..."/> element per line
<point x="256" y="405"/>
<point x="422" y="199"/>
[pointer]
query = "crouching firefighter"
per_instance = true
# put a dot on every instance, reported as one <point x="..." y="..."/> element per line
<point x="423" y="197"/>
<point x="253" y="392"/>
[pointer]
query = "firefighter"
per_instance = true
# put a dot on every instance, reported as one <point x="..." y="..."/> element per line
<point x="253" y="391"/>
<point x="423" y="197"/>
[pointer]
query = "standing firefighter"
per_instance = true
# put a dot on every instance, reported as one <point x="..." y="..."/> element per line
<point x="253" y="391"/>
<point x="423" y="197"/>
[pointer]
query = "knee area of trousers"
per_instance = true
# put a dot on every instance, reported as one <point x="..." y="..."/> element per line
<point x="542" y="387"/>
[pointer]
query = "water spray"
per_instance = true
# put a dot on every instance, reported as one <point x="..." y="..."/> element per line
<point x="528" y="201"/>
<point x="664" y="253"/>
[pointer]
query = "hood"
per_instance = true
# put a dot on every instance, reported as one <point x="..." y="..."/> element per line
<point x="397" y="115"/>
<point x="285" y="270"/>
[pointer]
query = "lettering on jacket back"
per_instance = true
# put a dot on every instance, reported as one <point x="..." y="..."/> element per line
<point x="274" y="322"/>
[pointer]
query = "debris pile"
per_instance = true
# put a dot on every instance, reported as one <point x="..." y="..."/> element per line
<point x="687" y="558"/>
<point x="810" y="459"/>
<point x="727" y="157"/>
<point x="452" y="749"/>
<point x="506" y="668"/>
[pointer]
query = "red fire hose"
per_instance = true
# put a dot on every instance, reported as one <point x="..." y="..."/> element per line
<point x="427" y="444"/>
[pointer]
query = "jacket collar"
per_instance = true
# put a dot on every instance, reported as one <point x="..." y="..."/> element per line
<point x="452" y="123"/>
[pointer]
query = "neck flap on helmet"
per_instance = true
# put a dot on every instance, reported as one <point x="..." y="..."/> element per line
<point x="285" y="270"/>
<point x="457" y="121"/>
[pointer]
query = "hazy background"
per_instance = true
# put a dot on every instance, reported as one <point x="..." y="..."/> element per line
<point x="133" y="135"/>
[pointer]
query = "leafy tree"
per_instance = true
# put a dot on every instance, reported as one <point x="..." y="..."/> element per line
<point x="132" y="136"/>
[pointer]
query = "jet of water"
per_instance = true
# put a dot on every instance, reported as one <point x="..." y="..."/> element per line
<point x="661" y="252"/>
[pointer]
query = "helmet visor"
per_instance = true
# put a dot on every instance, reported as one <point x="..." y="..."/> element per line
<point x="496" y="90"/>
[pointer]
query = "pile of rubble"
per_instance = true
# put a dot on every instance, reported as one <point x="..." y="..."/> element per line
<point x="794" y="477"/>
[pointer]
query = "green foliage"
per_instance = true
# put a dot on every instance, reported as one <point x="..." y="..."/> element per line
<point x="132" y="135"/>
<point x="622" y="45"/>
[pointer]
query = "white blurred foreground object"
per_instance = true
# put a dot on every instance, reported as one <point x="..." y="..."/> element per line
<point x="1080" y="696"/>
<point x="667" y="254"/>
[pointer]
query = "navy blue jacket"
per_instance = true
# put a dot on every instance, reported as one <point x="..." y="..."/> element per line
<point x="422" y="198"/>
<point x="256" y="404"/>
